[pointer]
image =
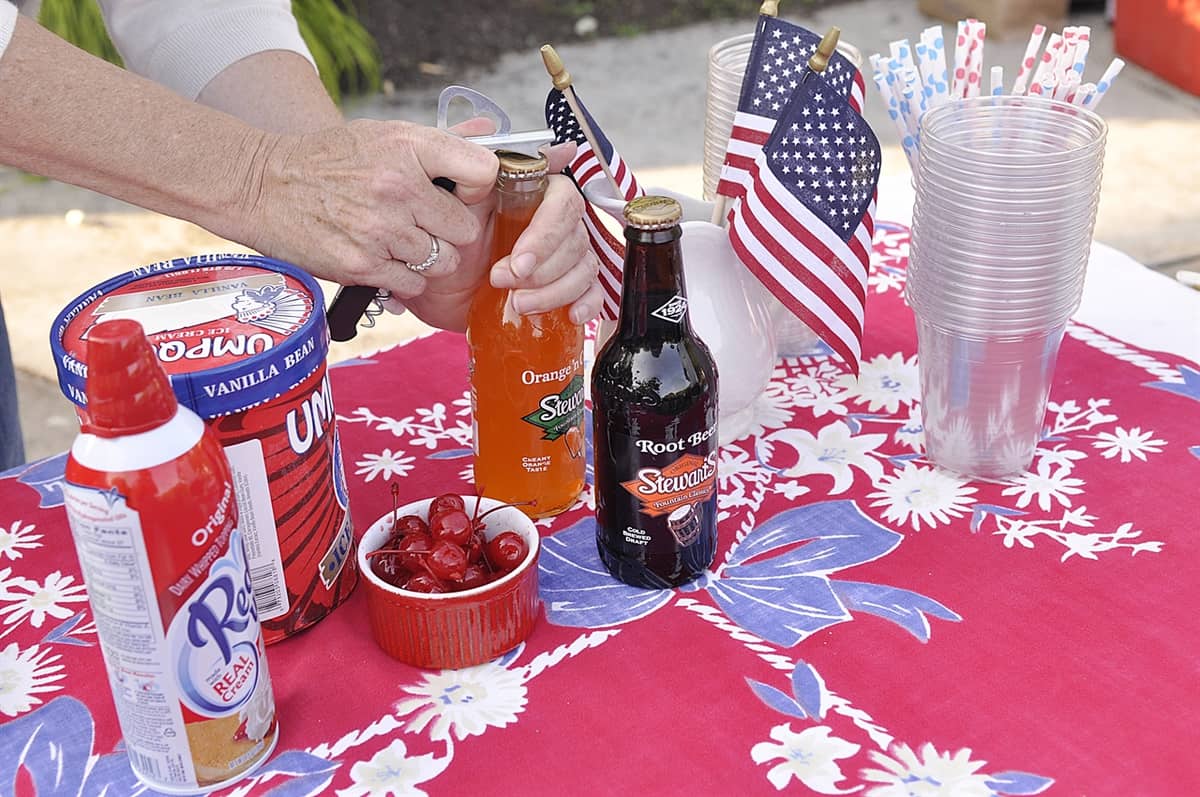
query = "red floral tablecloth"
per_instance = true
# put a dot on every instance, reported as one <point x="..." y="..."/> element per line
<point x="870" y="625"/>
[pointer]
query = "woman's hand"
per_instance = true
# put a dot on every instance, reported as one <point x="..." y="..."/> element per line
<point x="356" y="204"/>
<point x="552" y="264"/>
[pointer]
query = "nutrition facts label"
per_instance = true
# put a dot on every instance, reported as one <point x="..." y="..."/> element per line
<point x="112" y="555"/>
<point x="256" y="519"/>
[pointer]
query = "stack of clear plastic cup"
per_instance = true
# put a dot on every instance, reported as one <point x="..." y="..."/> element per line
<point x="727" y="62"/>
<point x="1006" y="196"/>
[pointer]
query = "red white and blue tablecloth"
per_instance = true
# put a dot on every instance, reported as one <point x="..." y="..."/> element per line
<point x="871" y="625"/>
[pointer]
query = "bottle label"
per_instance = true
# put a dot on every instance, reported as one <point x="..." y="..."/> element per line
<point x="673" y="310"/>
<point x="558" y="413"/>
<point x="179" y="633"/>
<point x="688" y="480"/>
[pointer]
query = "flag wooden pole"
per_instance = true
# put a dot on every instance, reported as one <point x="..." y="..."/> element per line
<point x="769" y="8"/>
<point x="562" y="82"/>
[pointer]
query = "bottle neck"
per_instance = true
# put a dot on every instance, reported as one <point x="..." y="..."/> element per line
<point x="653" y="295"/>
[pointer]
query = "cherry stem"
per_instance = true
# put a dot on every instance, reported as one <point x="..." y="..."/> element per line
<point x="502" y="506"/>
<point x="395" y="503"/>
<point x="382" y="551"/>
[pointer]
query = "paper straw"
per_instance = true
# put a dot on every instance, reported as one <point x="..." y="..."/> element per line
<point x="1066" y="87"/>
<point x="1081" y="54"/>
<point x="1029" y="60"/>
<point x="1082" y="93"/>
<point x="1049" y="61"/>
<point x="925" y="67"/>
<point x="958" y="89"/>
<point x="940" y="77"/>
<point x="997" y="81"/>
<point x="976" y="34"/>
<point x="895" y="79"/>
<point x="1104" y="83"/>
<point x="893" y="108"/>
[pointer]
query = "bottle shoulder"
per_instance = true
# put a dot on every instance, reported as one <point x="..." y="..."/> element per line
<point x="143" y="450"/>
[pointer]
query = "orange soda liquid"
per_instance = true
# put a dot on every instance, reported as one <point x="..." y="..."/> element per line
<point x="527" y="386"/>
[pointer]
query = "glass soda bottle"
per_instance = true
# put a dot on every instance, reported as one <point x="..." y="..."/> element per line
<point x="527" y="389"/>
<point x="654" y="416"/>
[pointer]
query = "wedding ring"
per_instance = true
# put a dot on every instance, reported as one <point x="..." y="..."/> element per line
<point x="435" y="249"/>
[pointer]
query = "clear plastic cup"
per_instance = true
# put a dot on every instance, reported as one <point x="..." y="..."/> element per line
<point x="983" y="398"/>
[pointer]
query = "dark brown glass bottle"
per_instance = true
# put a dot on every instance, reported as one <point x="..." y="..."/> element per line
<point x="654" y="414"/>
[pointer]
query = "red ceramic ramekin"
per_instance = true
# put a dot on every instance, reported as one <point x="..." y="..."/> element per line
<point x="453" y="629"/>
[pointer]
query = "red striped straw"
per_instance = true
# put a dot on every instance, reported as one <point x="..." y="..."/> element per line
<point x="1030" y="59"/>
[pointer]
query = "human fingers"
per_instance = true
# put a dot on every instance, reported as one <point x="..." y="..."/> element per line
<point x="555" y="220"/>
<point x="424" y="254"/>
<point x="472" y="167"/>
<point x="573" y="285"/>
<point x="588" y="306"/>
<point x="559" y="156"/>
<point x="570" y="253"/>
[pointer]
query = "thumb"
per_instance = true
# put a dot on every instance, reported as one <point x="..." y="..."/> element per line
<point x="476" y="126"/>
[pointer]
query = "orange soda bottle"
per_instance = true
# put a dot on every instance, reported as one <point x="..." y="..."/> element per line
<point x="527" y="388"/>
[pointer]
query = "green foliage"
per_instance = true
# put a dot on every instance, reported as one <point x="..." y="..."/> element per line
<point x="80" y="24"/>
<point x="345" y="53"/>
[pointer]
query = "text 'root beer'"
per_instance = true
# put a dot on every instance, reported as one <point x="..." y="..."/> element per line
<point x="654" y="410"/>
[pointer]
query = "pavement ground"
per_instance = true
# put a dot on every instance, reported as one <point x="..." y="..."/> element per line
<point x="648" y="93"/>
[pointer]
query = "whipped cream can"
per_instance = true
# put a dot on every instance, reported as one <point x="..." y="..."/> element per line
<point x="154" y="516"/>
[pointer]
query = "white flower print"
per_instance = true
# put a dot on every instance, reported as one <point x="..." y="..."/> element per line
<point x="771" y="411"/>
<point x="912" y="431"/>
<point x="920" y="494"/>
<point x="810" y="756"/>
<point x="27" y="598"/>
<point x="1059" y="455"/>
<point x="884" y="383"/>
<point x="462" y="404"/>
<point x="392" y="771"/>
<point x="24" y="674"/>
<point x="434" y="415"/>
<point x="812" y="389"/>
<point x="1129" y="443"/>
<point x="791" y="490"/>
<point x="834" y="451"/>
<point x="1046" y="484"/>
<point x="16" y="538"/>
<point x="386" y="464"/>
<point x="934" y="774"/>
<point x="466" y="701"/>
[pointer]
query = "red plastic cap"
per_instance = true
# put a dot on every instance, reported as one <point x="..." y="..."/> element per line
<point x="128" y="391"/>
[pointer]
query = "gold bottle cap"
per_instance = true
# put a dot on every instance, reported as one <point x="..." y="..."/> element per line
<point x="653" y="212"/>
<point x="825" y="50"/>
<point x="514" y="165"/>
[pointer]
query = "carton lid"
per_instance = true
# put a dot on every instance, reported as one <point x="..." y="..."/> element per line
<point x="232" y="331"/>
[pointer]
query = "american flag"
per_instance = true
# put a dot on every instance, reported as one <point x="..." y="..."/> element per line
<point x="778" y="61"/>
<point x="805" y="223"/>
<point x="584" y="169"/>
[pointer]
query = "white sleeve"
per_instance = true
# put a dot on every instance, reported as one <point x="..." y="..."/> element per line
<point x="184" y="44"/>
<point x="8" y="21"/>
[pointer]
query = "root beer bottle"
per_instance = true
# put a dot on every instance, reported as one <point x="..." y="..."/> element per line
<point x="654" y="405"/>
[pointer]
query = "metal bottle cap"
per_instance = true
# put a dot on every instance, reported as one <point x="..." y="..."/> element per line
<point x="653" y="212"/>
<point x="519" y="166"/>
